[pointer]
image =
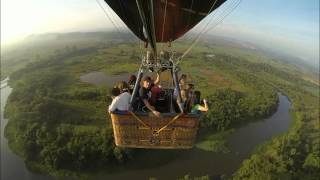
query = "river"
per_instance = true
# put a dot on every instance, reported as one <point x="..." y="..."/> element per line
<point x="195" y="162"/>
<point x="12" y="166"/>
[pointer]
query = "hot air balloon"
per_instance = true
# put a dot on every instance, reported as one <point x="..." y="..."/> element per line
<point x="159" y="21"/>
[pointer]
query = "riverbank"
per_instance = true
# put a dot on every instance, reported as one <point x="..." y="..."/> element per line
<point x="240" y="144"/>
<point x="209" y="145"/>
<point x="294" y="155"/>
<point x="12" y="166"/>
<point x="58" y="123"/>
<point x="49" y="126"/>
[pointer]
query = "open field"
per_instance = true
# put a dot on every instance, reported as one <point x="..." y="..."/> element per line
<point x="51" y="111"/>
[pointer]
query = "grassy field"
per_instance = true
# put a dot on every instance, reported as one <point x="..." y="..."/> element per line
<point x="51" y="111"/>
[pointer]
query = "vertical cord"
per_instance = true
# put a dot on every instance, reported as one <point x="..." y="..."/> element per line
<point x="225" y="15"/>
<point x="153" y="30"/>
<point x="144" y="21"/>
<point x="190" y="13"/>
<point x="194" y="41"/>
<point x="113" y="23"/>
<point x="164" y="19"/>
<point x="221" y="18"/>
<point x="105" y="12"/>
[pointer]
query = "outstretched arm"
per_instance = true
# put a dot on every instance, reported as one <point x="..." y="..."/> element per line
<point x="204" y="108"/>
<point x="156" y="82"/>
<point x="113" y="105"/>
<point x="151" y="108"/>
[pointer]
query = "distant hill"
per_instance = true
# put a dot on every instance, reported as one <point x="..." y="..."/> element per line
<point x="37" y="45"/>
<point x="273" y="53"/>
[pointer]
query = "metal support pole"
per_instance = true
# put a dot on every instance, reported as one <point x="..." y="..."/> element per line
<point x="148" y="22"/>
<point x="136" y="86"/>
<point x="177" y="87"/>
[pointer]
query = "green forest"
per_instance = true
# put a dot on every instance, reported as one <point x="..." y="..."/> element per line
<point x="59" y="124"/>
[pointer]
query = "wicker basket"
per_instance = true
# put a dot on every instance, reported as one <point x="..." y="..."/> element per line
<point x="178" y="134"/>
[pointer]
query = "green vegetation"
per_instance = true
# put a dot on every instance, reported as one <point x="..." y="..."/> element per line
<point x="188" y="177"/>
<point x="295" y="155"/>
<point x="214" y="142"/>
<point x="58" y="124"/>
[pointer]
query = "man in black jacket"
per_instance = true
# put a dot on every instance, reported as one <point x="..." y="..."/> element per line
<point x="145" y="94"/>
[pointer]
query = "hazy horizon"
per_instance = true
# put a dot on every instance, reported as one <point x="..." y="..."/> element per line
<point x="288" y="26"/>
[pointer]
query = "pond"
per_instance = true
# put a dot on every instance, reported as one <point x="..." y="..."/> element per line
<point x="195" y="162"/>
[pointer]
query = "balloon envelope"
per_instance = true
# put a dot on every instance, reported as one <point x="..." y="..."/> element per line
<point x="172" y="18"/>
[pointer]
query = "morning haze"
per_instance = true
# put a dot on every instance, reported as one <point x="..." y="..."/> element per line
<point x="288" y="27"/>
<point x="248" y="105"/>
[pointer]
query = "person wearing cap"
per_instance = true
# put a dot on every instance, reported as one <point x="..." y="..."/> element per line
<point x="145" y="94"/>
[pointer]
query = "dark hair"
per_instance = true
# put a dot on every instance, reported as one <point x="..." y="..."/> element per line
<point x="115" y="91"/>
<point x="191" y="85"/>
<point x="122" y="86"/>
<point x="147" y="78"/>
<point x="197" y="97"/>
<point x="182" y="77"/>
<point x="132" y="79"/>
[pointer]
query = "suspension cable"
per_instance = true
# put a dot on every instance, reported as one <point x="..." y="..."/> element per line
<point x="121" y="31"/>
<point x="105" y="12"/>
<point x="126" y="15"/>
<point x="164" y="19"/>
<point x="221" y="18"/>
<point x="117" y="27"/>
<point x="213" y="15"/>
<point x="215" y="1"/>
<point x="144" y="22"/>
<point x="154" y="39"/>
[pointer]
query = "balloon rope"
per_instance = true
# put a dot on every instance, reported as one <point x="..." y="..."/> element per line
<point x="153" y="29"/>
<point x="164" y="20"/>
<point x="225" y="15"/>
<point x="169" y="123"/>
<point x="191" y="46"/>
<point x="190" y="13"/>
<point x="204" y="31"/>
<point x="139" y="120"/>
<point x="110" y="19"/>
<point x="105" y="12"/>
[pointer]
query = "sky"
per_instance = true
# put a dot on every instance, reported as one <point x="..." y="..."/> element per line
<point x="289" y="25"/>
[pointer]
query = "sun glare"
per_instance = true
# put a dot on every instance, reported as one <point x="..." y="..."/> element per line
<point x="22" y="18"/>
<point x="18" y="18"/>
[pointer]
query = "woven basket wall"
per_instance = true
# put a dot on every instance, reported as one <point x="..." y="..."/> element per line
<point x="129" y="132"/>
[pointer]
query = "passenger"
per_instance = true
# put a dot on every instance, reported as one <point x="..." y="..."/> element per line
<point x="115" y="92"/>
<point x="122" y="101"/>
<point x="182" y="85"/>
<point x="196" y="104"/>
<point x="155" y="93"/>
<point x="182" y="81"/>
<point x="190" y="88"/>
<point x="183" y="104"/>
<point x="145" y="95"/>
<point x="156" y="82"/>
<point x="131" y="82"/>
<point x="123" y="86"/>
<point x="155" y="89"/>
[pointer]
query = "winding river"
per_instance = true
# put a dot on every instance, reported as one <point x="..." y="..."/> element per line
<point x="195" y="162"/>
<point x="12" y="166"/>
